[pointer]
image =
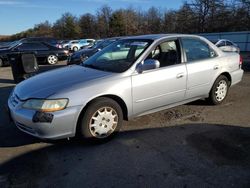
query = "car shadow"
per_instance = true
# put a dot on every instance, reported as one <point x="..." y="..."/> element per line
<point x="201" y="102"/>
<point x="203" y="155"/>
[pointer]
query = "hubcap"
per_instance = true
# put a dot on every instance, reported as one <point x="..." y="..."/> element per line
<point x="221" y="90"/>
<point x="52" y="59"/>
<point x="103" y="122"/>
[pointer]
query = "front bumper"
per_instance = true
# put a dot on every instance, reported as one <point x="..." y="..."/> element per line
<point x="63" y="124"/>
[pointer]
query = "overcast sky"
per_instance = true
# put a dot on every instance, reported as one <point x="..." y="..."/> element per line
<point x="20" y="15"/>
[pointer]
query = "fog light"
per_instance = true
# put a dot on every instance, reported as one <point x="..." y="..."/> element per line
<point x="42" y="117"/>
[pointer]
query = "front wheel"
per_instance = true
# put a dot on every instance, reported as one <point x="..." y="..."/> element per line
<point x="75" y="48"/>
<point x="52" y="59"/>
<point x="101" y="120"/>
<point x="219" y="90"/>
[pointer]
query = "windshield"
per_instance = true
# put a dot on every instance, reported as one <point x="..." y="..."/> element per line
<point x="14" y="43"/>
<point x="119" y="56"/>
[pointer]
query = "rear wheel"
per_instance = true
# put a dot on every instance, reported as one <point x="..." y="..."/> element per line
<point x="101" y="120"/>
<point x="52" y="59"/>
<point x="219" y="90"/>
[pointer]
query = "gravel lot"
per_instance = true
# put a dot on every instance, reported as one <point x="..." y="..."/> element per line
<point x="193" y="145"/>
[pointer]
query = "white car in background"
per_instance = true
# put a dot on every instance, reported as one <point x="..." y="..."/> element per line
<point x="66" y="44"/>
<point x="227" y="45"/>
<point x="81" y="43"/>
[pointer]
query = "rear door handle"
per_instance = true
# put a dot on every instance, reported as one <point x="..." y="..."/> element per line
<point x="216" y="67"/>
<point x="180" y="75"/>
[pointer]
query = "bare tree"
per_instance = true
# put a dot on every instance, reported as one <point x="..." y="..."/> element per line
<point x="43" y="29"/>
<point x="194" y="16"/>
<point x="154" y="20"/>
<point x="66" y="27"/>
<point x="88" y="25"/>
<point x="103" y="18"/>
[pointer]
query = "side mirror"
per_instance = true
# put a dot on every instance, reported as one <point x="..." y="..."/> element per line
<point x="148" y="64"/>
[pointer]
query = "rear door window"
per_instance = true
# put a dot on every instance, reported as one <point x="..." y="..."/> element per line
<point x="32" y="46"/>
<point x="197" y="49"/>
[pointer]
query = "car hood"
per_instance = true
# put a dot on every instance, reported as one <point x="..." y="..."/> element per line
<point x="52" y="82"/>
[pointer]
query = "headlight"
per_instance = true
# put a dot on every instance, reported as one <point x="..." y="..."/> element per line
<point x="44" y="105"/>
<point x="66" y="52"/>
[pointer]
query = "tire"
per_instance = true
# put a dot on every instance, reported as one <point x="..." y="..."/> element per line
<point x="219" y="90"/>
<point x="1" y="62"/>
<point x="101" y="120"/>
<point x="52" y="59"/>
<point x="75" y="48"/>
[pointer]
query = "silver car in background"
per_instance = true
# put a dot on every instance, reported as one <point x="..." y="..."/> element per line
<point x="227" y="45"/>
<point x="131" y="77"/>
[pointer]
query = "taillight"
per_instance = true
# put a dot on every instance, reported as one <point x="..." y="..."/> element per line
<point x="241" y="61"/>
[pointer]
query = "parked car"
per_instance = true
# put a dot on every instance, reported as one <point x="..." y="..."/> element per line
<point x="131" y="77"/>
<point x="226" y="45"/>
<point x="92" y="44"/>
<point x="83" y="42"/>
<point x="49" y="40"/>
<point x="81" y="55"/>
<point x="66" y="43"/>
<point x="44" y="52"/>
<point x="4" y="44"/>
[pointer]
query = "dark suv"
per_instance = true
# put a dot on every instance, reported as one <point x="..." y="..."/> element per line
<point x="44" y="52"/>
<point x="81" y="55"/>
<point x="49" y="40"/>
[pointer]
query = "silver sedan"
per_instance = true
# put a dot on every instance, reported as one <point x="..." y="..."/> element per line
<point x="131" y="77"/>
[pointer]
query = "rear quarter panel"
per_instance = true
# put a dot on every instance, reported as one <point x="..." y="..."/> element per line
<point x="230" y="64"/>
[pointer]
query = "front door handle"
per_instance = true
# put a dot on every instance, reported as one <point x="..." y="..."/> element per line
<point x="180" y="75"/>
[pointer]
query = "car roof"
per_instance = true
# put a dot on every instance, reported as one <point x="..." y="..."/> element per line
<point x="159" y="36"/>
<point x="37" y="42"/>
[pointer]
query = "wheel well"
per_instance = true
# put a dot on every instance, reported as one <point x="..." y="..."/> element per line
<point x="113" y="97"/>
<point x="228" y="77"/>
<point x="52" y="54"/>
<point x="121" y="103"/>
